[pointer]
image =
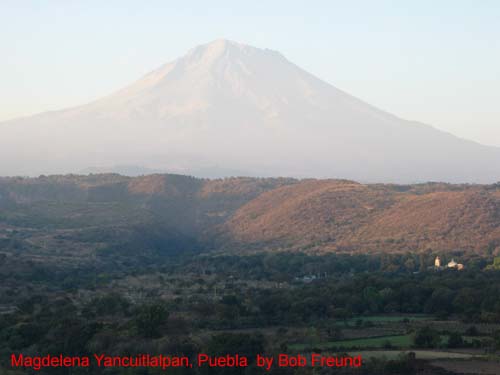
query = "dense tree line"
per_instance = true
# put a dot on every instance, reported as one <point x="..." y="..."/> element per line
<point x="283" y="290"/>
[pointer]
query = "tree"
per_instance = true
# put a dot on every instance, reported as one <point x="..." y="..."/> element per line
<point x="427" y="337"/>
<point x="440" y="302"/>
<point x="472" y="331"/>
<point x="455" y="340"/>
<point x="495" y="265"/>
<point x="150" y="319"/>
<point x="496" y="338"/>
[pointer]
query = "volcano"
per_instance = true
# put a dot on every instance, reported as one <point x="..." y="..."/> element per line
<point x="227" y="108"/>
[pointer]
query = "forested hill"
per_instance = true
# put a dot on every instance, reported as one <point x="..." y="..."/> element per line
<point x="51" y="216"/>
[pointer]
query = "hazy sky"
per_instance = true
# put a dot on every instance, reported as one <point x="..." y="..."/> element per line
<point x="433" y="61"/>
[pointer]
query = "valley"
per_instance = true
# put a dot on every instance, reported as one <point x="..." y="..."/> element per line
<point x="180" y="265"/>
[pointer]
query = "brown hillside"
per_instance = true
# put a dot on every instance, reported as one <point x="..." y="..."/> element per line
<point x="337" y="215"/>
<point x="313" y="212"/>
<point x="445" y="220"/>
<point x="99" y="211"/>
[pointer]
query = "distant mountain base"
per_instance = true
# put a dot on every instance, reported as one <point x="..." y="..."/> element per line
<point x="136" y="170"/>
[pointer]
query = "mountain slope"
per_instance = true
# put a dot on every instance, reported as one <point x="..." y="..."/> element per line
<point x="329" y="215"/>
<point x="230" y="106"/>
<point x="81" y="214"/>
<point x="72" y="218"/>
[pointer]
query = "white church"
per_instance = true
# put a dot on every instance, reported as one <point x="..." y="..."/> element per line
<point x="452" y="264"/>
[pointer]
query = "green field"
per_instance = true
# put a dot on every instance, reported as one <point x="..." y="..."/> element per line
<point x="399" y="341"/>
<point x="396" y="341"/>
<point x="386" y="318"/>
<point x="420" y="354"/>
